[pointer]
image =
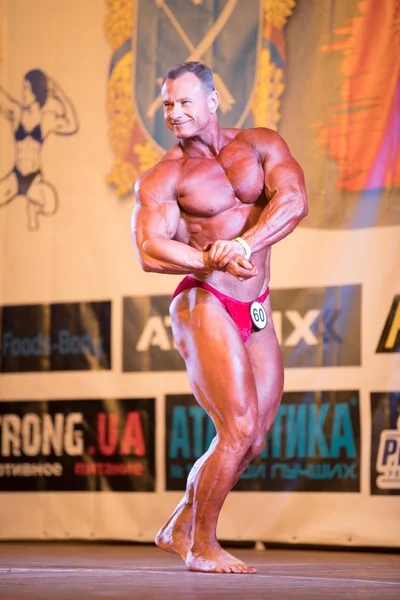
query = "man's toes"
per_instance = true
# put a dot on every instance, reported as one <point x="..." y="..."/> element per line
<point x="225" y="570"/>
<point x="236" y="569"/>
<point x="246" y="569"/>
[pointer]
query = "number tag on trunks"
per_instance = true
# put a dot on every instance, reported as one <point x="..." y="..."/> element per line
<point x="258" y="315"/>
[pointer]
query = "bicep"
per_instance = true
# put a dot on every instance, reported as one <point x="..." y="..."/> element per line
<point x="53" y="122"/>
<point x="154" y="222"/>
<point x="282" y="173"/>
<point x="282" y="177"/>
<point x="155" y="216"/>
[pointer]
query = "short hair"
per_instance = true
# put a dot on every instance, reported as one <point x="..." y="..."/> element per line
<point x="201" y="71"/>
<point x="39" y="85"/>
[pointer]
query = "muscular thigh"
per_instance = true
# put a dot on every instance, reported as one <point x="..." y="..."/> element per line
<point x="267" y="365"/>
<point x="217" y="361"/>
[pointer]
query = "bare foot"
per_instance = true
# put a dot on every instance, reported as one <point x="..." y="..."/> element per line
<point x="215" y="559"/>
<point x="174" y="535"/>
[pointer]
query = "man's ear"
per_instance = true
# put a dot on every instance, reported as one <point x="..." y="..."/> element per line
<point x="213" y="101"/>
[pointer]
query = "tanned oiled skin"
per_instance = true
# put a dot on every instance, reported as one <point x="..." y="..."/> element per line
<point x="214" y="185"/>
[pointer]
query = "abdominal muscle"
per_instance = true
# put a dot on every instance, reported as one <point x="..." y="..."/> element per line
<point x="247" y="290"/>
<point x="198" y="231"/>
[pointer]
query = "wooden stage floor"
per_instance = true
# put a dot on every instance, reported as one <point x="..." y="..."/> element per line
<point x="91" y="571"/>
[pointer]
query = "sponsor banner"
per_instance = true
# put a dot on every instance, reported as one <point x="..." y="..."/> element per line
<point x="316" y="327"/>
<point x="313" y="445"/>
<point x="55" y="337"/>
<point x="148" y="344"/>
<point x="83" y="445"/>
<point x="390" y="338"/>
<point x="385" y="443"/>
<point x="203" y="27"/>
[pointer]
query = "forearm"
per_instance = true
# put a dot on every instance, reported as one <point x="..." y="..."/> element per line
<point x="67" y="117"/>
<point x="70" y="114"/>
<point x="279" y="218"/>
<point x="171" y="257"/>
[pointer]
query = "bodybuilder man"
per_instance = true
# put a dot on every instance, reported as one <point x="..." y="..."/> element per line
<point x="211" y="210"/>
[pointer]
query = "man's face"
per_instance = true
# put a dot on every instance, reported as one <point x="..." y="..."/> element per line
<point x="187" y="105"/>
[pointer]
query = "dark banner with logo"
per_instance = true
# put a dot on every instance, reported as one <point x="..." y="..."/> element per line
<point x="316" y="327"/>
<point x="80" y="445"/>
<point x="389" y="341"/>
<point x="56" y="337"/>
<point x="385" y="443"/>
<point x="148" y="344"/>
<point x="313" y="445"/>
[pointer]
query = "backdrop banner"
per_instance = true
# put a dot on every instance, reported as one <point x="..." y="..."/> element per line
<point x="98" y="424"/>
<point x="79" y="445"/>
<point x="56" y="337"/>
<point x="313" y="445"/>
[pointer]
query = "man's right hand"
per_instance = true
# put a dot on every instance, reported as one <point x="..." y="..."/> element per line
<point x="209" y="267"/>
<point x="238" y="266"/>
<point x="241" y="268"/>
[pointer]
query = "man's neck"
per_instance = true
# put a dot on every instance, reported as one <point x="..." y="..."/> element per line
<point x="208" y="144"/>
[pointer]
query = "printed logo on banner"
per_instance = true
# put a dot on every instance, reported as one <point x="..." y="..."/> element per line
<point x="202" y="29"/>
<point x="313" y="445"/>
<point x="390" y="338"/>
<point x="81" y="445"/>
<point x="43" y="109"/>
<point x="55" y="337"/>
<point x="316" y="327"/>
<point x="385" y="443"/>
<point x="148" y="344"/>
<point x="188" y="35"/>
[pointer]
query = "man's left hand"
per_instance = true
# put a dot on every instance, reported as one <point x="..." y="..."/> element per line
<point x="241" y="268"/>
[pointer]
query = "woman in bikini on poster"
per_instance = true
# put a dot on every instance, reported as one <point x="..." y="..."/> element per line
<point x="44" y="109"/>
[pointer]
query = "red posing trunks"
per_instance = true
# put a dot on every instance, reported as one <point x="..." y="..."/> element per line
<point x="239" y="311"/>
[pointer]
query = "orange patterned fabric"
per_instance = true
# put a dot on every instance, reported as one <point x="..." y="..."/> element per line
<point x="363" y="131"/>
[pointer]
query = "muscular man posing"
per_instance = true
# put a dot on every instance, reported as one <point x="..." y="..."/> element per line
<point x="213" y="186"/>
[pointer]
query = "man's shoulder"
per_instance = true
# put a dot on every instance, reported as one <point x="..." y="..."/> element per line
<point x="256" y="135"/>
<point x="170" y="163"/>
<point x="165" y="172"/>
<point x="266" y="142"/>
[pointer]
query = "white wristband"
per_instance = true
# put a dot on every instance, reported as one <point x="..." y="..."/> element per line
<point x="245" y="246"/>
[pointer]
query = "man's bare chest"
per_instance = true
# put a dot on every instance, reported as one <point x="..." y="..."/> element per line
<point x="210" y="186"/>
